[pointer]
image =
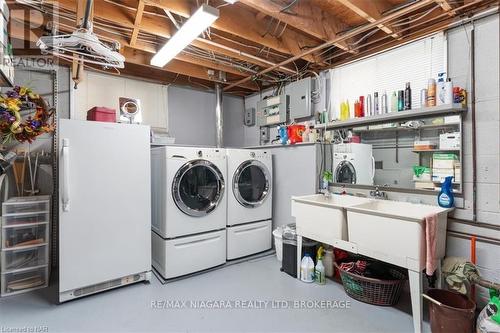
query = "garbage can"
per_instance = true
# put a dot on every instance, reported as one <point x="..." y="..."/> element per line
<point x="289" y="263"/>
<point x="455" y="314"/>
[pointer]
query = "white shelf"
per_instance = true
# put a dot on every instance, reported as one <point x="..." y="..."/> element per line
<point x="436" y="111"/>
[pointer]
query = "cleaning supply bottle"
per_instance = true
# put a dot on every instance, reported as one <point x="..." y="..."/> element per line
<point x="445" y="197"/>
<point x="368" y="106"/>
<point x="407" y="96"/>
<point x="376" y="105"/>
<point x="394" y="101"/>
<point x="440" y="89"/>
<point x="307" y="269"/>
<point x="448" y="92"/>
<point x="319" y="271"/>
<point x="401" y="100"/>
<point x="431" y="92"/>
<point x="328" y="262"/>
<point x="383" y="103"/>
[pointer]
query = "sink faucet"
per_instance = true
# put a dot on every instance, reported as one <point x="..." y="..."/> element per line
<point x="378" y="194"/>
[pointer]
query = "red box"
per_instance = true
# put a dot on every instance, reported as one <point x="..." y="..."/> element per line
<point x="100" y="113"/>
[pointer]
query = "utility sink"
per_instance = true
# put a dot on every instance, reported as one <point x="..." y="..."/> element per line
<point x="331" y="201"/>
<point x="396" y="209"/>
<point x="395" y="232"/>
<point x="323" y="218"/>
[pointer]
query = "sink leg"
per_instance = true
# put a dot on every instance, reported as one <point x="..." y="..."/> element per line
<point x="439" y="274"/>
<point x="299" y="254"/>
<point x="416" y="299"/>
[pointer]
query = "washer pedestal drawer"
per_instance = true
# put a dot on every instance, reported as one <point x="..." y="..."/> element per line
<point x="185" y="255"/>
<point x="247" y="239"/>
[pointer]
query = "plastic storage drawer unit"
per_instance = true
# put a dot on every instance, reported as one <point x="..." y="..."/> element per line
<point x="21" y="259"/>
<point x="22" y="281"/>
<point x="19" y="205"/>
<point x="25" y="236"/>
<point x="25" y="218"/>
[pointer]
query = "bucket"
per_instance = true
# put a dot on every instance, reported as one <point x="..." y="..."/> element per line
<point x="455" y="314"/>
<point x="278" y="243"/>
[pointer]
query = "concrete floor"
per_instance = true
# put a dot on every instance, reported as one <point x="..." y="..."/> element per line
<point x="132" y="308"/>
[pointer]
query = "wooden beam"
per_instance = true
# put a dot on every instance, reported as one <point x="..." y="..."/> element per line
<point x="153" y="25"/>
<point x="307" y="18"/>
<point x="445" y="6"/>
<point x="137" y="23"/>
<point x="77" y="66"/>
<point x="244" y="24"/>
<point x="177" y="66"/>
<point x="368" y="10"/>
<point x="352" y="33"/>
<point x="19" y="31"/>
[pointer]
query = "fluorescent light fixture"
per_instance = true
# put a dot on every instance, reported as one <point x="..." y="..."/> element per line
<point x="231" y="1"/>
<point x="194" y="26"/>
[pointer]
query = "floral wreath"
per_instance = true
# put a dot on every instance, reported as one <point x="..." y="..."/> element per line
<point x="13" y="105"/>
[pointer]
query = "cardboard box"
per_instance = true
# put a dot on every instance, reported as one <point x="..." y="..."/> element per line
<point x="450" y="140"/>
<point x="444" y="161"/>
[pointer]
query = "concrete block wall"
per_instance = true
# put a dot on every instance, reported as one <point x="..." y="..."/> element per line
<point x="487" y="104"/>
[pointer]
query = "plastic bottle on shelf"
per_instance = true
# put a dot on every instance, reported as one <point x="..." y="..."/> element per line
<point x="394" y="101"/>
<point x="401" y="100"/>
<point x="407" y="96"/>
<point x="376" y="105"/>
<point x="368" y="106"/>
<point x="431" y="93"/>
<point x="440" y="89"/>
<point x="357" y="109"/>
<point x="362" y="104"/>
<point x="448" y="92"/>
<point x="383" y="103"/>
<point x="307" y="269"/>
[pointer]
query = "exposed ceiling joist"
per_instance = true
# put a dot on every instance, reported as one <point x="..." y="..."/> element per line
<point x="179" y="67"/>
<point x="306" y="17"/>
<point x="368" y="10"/>
<point x="352" y="33"/>
<point x="137" y="22"/>
<point x="161" y="28"/>
<point x="445" y="5"/>
<point x="188" y="67"/>
<point x="77" y="66"/>
<point x="243" y="23"/>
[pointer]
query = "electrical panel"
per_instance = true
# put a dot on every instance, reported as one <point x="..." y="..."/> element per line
<point x="300" y="98"/>
<point x="249" y="117"/>
<point x="273" y="110"/>
<point x="264" y="135"/>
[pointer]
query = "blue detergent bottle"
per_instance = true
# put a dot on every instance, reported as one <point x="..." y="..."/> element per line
<point x="445" y="197"/>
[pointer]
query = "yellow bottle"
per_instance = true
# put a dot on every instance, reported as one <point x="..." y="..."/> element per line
<point x="344" y="110"/>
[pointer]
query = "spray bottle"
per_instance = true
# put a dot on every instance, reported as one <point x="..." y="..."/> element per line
<point x="319" y="271"/>
<point x="445" y="197"/>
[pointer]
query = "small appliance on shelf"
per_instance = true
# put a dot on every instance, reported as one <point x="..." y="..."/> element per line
<point x="25" y="244"/>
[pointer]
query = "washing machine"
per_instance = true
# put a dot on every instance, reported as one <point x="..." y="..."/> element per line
<point x="249" y="202"/>
<point x="188" y="209"/>
<point x="353" y="163"/>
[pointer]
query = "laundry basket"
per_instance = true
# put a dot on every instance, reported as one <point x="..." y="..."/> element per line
<point x="374" y="291"/>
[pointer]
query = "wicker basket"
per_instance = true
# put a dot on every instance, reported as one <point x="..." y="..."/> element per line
<point x="374" y="291"/>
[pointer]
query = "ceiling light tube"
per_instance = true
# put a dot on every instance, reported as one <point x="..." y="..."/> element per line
<point x="194" y="26"/>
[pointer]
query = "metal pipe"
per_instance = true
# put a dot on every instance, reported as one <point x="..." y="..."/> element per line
<point x="219" y="121"/>
<point x="86" y="17"/>
<point x="248" y="55"/>
<point x="473" y="120"/>
<point x="347" y="35"/>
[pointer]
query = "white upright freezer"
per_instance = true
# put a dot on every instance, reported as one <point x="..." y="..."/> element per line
<point x="104" y="206"/>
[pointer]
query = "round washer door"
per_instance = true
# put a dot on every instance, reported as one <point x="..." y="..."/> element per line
<point x="345" y="173"/>
<point x="251" y="183"/>
<point x="198" y="188"/>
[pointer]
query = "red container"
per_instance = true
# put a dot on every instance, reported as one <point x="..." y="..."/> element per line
<point x="100" y="113"/>
<point x="295" y="133"/>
